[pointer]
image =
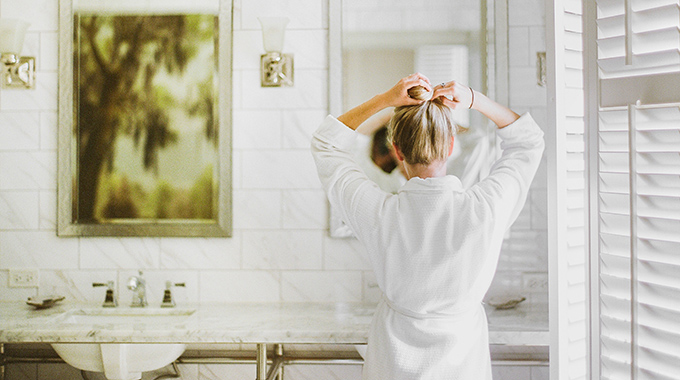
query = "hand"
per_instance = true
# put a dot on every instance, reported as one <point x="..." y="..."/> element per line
<point x="398" y="95"/>
<point x="454" y="94"/>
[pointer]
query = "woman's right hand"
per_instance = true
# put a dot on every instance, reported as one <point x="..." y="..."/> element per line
<point x="398" y="95"/>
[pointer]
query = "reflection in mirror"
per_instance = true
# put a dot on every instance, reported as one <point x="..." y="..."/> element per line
<point x="142" y="133"/>
<point x="382" y="43"/>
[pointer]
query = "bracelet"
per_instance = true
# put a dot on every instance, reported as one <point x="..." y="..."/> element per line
<point x="473" y="97"/>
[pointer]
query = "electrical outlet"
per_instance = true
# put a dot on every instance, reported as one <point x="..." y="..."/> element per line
<point x="23" y="278"/>
<point x="535" y="282"/>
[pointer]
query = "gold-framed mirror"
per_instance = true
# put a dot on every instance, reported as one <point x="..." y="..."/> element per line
<point x="144" y="118"/>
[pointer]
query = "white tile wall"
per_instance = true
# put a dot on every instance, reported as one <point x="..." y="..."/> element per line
<point x="279" y="250"/>
<point x="525" y="248"/>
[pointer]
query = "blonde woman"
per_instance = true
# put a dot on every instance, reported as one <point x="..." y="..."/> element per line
<point x="434" y="245"/>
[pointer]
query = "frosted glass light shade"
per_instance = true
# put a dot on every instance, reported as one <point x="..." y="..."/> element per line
<point x="12" y="34"/>
<point x="273" y="30"/>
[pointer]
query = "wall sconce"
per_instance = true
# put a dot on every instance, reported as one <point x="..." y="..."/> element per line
<point x="17" y="71"/>
<point x="276" y="68"/>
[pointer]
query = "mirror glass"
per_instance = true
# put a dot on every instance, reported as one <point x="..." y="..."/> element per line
<point x="383" y="42"/>
<point x="144" y="148"/>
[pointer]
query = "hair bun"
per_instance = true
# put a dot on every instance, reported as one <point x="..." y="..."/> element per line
<point x="419" y="93"/>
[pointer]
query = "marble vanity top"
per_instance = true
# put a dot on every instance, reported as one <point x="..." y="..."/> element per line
<point x="323" y="323"/>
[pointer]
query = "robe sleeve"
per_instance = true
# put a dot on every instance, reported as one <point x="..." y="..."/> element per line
<point x="348" y="189"/>
<point x="505" y="189"/>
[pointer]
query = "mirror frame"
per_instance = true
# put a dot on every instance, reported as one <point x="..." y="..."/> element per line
<point x="494" y="55"/>
<point x="221" y="225"/>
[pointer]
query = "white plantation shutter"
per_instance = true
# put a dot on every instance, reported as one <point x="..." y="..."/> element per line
<point x="636" y="145"/>
<point x="568" y="316"/>
<point x="641" y="32"/>
<point x="442" y="63"/>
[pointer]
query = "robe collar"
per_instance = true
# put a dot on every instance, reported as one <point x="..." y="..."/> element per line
<point x="448" y="182"/>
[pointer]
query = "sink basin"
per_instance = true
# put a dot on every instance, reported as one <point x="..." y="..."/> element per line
<point x="121" y="361"/>
<point x="159" y="317"/>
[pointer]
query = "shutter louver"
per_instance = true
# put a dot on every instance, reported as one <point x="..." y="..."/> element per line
<point x="653" y="36"/>
<point x="638" y="190"/>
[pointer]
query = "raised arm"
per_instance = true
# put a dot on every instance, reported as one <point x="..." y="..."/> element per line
<point x="464" y="96"/>
<point x="394" y="97"/>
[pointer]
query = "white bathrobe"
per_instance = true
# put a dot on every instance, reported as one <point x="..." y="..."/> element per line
<point x="433" y="247"/>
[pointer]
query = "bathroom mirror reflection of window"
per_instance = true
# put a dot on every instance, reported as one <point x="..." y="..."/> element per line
<point x="441" y="39"/>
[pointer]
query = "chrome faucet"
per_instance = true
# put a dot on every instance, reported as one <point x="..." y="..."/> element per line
<point x="110" y="300"/>
<point x="138" y="286"/>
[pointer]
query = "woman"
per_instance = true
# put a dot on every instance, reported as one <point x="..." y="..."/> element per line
<point x="434" y="245"/>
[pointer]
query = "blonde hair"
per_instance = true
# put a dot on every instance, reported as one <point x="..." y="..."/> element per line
<point x="423" y="132"/>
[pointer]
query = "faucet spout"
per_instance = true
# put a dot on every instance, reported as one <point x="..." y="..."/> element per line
<point x="138" y="286"/>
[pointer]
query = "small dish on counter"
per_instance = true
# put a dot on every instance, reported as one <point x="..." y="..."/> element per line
<point x="44" y="302"/>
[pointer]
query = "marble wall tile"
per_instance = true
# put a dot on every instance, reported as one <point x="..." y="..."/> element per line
<point x="518" y="46"/>
<point x="320" y="286"/>
<point x="48" y="55"/>
<point x="48" y="130"/>
<point x="19" y="131"/>
<point x="155" y="286"/>
<point x="256" y="129"/>
<point x="19" y="210"/>
<point x="536" y="42"/>
<point x="28" y="170"/>
<point x="13" y="294"/>
<point x="42" y="14"/>
<point x="298" y="126"/>
<point x="344" y="254"/>
<point x="309" y="91"/>
<point x="308" y="47"/>
<point x="37" y="249"/>
<point x="239" y="286"/>
<point x="283" y="169"/>
<point x="275" y="249"/>
<point x="526" y="12"/>
<point x="524" y="91"/>
<point x="48" y="210"/>
<point x="257" y="209"/>
<point x="123" y="253"/>
<point x="201" y="253"/>
<point x="303" y="14"/>
<point x="42" y="98"/>
<point x="31" y="47"/>
<point x="305" y="209"/>
<point x="76" y="285"/>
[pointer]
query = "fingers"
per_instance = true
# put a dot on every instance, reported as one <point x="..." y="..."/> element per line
<point x="417" y="79"/>
<point x="452" y="94"/>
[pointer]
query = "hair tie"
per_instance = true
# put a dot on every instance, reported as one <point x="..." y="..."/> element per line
<point x="473" y="97"/>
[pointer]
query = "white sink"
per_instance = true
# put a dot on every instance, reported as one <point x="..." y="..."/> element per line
<point x="121" y="361"/>
<point x="158" y="317"/>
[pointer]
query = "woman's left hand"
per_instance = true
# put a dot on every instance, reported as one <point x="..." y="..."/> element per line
<point x="453" y="94"/>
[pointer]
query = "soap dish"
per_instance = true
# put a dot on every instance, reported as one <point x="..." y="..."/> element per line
<point x="503" y="303"/>
<point x="44" y="302"/>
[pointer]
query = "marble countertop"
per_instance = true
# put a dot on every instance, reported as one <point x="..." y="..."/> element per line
<point x="321" y="323"/>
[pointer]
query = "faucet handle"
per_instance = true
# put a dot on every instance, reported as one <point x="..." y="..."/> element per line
<point x="168" y="301"/>
<point x="110" y="300"/>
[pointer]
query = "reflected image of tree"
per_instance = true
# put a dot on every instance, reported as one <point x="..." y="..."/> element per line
<point x="118" y="60"/>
